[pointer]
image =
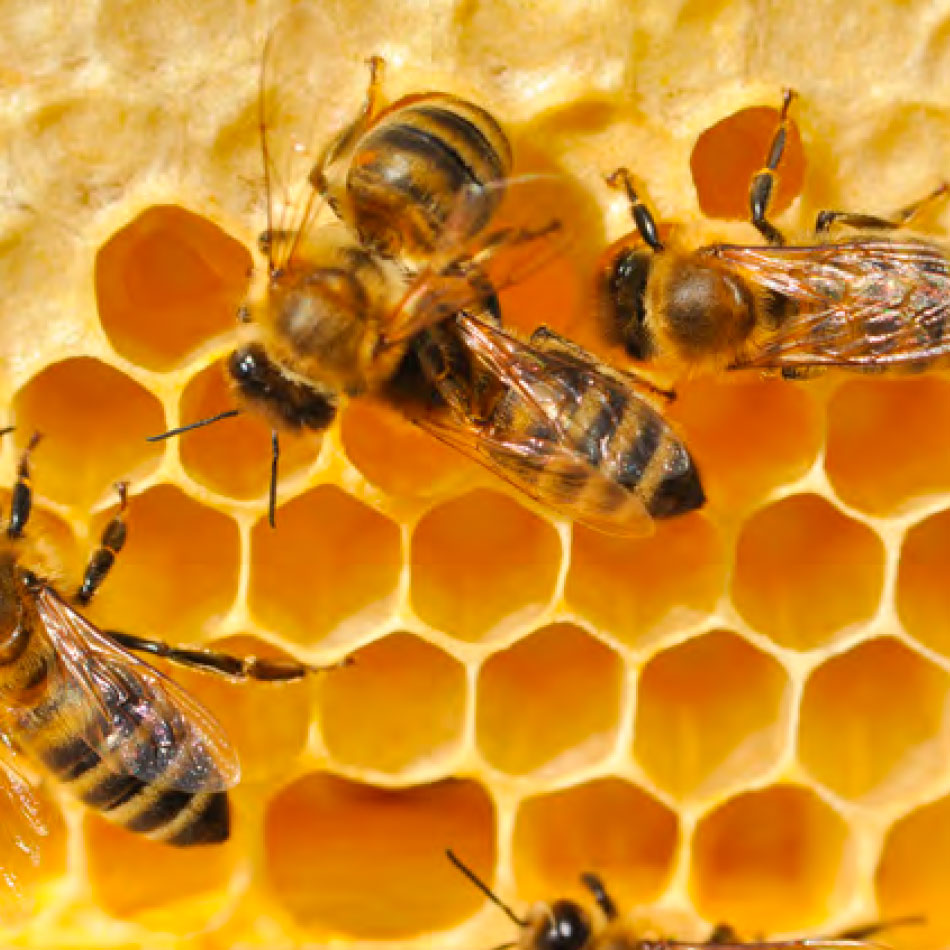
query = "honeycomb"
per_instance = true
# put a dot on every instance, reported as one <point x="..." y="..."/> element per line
<point x="742" y="718"/>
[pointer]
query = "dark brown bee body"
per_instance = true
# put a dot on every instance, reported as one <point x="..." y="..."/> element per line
<point x="51" y="720"/>
<point x="409" y="168"/>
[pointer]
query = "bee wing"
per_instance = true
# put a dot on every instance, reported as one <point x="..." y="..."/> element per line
<point x="309" y="88"/>
<point x="860" y="302"/>
<point x="526" y="234"/>
<point x="137" y="719"/>
<point x="22" y="826"/>
<point x="541" y="460"/>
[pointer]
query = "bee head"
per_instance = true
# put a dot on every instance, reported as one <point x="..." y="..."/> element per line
<point x="623" y="300"/>
<point x="290" y="403"/>
<point x="563" y="925"/>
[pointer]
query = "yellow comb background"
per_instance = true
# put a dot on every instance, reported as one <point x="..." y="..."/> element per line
<point x="744" y="718"/>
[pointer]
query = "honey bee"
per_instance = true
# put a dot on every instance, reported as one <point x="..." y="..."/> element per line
<point x="874" y="300"/>
<point x="111" y="730"/>
<point x="385" y="300"/>
<point x="567" y="925"/>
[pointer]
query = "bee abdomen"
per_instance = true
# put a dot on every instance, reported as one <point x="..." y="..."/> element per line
<point x="409" y="170"/>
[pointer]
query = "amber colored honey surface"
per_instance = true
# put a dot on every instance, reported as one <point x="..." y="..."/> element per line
<point x="742" y="718"/>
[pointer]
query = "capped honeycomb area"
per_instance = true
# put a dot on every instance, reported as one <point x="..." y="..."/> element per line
<point x="744" y="717"/>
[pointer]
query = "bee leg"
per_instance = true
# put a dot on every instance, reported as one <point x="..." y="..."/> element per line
<point x="604" y="901"/>
<point x="260" y="669"/>
<point x="901" y="218"/>
<point x="21" y="503"/>
<point x="866" y="931"/>
<point x="349" y="134"/>
<point x="641" y="214"/>
<point x="111" y="541"/>
<point x="548" y="341"/>
<point x="763" y="182"/>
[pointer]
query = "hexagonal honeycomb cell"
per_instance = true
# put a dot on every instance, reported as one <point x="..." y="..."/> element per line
<point x="740" y="718"/>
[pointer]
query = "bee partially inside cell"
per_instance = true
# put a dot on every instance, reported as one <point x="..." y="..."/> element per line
<point x="398" y="298"/>
<point x="861" y="292"/>
<point x="564" y="924"/>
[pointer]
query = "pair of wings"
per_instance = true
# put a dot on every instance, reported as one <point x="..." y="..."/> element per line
<point x="136" y="719"/>
<point x="543" y="458"/>
<point x="862" y="302"/>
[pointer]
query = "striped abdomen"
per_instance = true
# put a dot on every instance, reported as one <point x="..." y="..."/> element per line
<point x="629" y="452"/>
<point x="410" y="168"/>
<point x="52" y="715"/>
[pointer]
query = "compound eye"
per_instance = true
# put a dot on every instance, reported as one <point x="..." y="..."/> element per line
<point x="244" y="364"/>
<point x="567" y="929"/>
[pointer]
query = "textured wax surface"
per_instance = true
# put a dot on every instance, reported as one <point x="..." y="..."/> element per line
<point x="741" y="718"/>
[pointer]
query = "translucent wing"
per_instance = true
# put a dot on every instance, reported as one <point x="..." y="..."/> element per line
<point x="135" y="718"/>
<point x="22" y="827"/>
<point x="496" y="235"/>
<point x="533" y="441"/>
<point x="861" y="302"/>
<point x="310" y="90"/>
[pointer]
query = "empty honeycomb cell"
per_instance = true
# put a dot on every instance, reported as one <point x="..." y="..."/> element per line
<point x="923" y="596"/>
<point x="886" y="442"/>
<point x="728" y="154"/>
<point x="331" y="567"/>
<point x="178" y="571"/>
<point x="267" y="723"/>
<point x="352" y="859"/>
<point x="711" y="713"/>
<point x="481" y="560"/>
<point x="804" y="571"/>
<point x="872" y="721"/>
<point x="234" y="457"/>
<point x="399" y="457"/>
<point x="94" y="421"/>
<point x="134" y="877"/>
<point x="167" y="282"/>
<point x="748" y="434"/>
<point x="551" y="701"/>
<point x="637" y="588"/>
<point x="607" y="826"/>
<point x="50" y="547"/>
<point x="770" y="860"/>
<point x="913" y="874"/>
<point x="401" y="704"/>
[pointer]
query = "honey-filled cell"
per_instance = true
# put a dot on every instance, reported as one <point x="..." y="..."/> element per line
<point x="726" y="703"/>
<point x="872" y="723"/>
<point x="728" y="154"/>
<point x="913" y="875"/>
<point x="747" y="434"/>
<point x="480" y="562"/>
<point x="638" y="588"/>
<point x="607" y="826"/>
<point x="182" y="554"/>
<point x="770" y="860"/>
<point x="177" y="888"/>
<point x="344" y="858"/>
<point x="805" y="572"/>
<point x="166" y="282"/>
<point x="94" y="421"/>
<point x="551" y="702"/>
<point x="399" y="457"/>
<point x="401" y="704"/>
<point x="923" y="595"/>
<point x="331" y="567"/>
<point x="886" y="442"/>
<point x="233" y="457"/>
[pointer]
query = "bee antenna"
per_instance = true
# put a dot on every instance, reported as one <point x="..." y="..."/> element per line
<point x="227" y="414"/>
<point x="272" y="494"/>
<point x="6" y="430"/>
<point x="486" y="890"/>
